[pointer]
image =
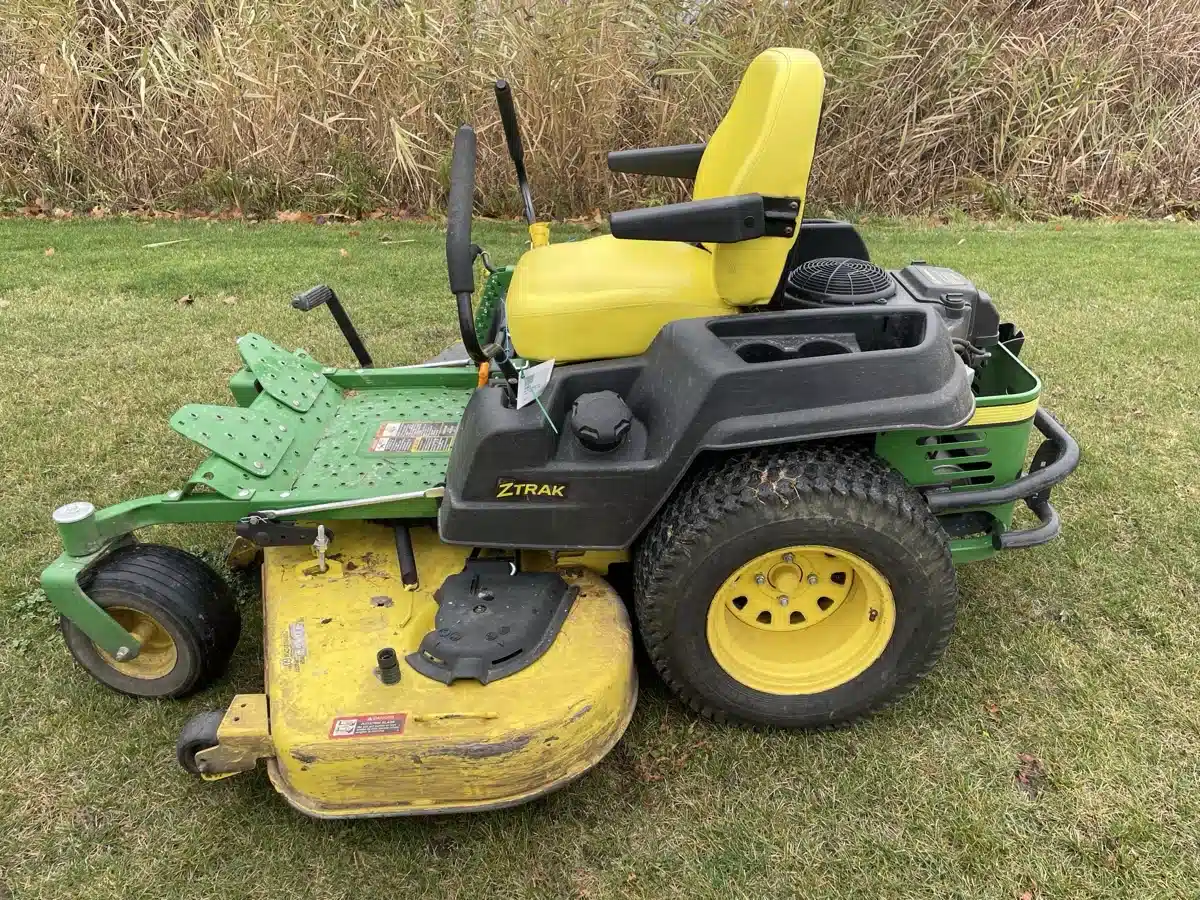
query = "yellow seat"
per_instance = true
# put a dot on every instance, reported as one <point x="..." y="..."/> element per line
<point x="605" y="298"/>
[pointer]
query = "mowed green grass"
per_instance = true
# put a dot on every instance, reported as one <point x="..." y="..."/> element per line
<point x="1083" y="655"/>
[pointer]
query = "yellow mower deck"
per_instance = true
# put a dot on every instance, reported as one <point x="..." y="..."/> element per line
<point x="342" y="743"/>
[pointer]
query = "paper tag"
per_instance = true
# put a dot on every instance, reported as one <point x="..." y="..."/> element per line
<point x="532" y="382"/>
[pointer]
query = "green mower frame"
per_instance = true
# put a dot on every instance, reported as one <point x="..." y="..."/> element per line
<point x="88" y="535"/>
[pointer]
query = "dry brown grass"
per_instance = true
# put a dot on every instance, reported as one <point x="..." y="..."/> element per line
<point x="1031" y="107"/>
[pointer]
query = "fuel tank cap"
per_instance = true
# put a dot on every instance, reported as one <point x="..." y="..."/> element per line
<point x="601" y="421"/>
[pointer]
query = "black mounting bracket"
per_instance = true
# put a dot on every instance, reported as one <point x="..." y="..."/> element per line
<point x="265" y="533"/>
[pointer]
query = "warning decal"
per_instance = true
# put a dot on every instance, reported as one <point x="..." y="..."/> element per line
<point x="414" y="437"/>
<point x="368" y="726"/>
<point x="295" y="647"/>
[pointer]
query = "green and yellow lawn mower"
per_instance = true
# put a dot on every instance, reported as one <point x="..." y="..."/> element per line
<point x="787" y="447"/>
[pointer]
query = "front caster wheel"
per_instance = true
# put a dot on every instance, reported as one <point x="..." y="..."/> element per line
<point x="198" y="735"/>
<point x="179" y="609"/>
<point x="795" y="588"/>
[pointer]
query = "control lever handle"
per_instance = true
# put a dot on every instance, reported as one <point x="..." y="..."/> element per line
<point x="516" y="150"/>
<point x="312" y="298"/>
<point x="321" y="295"/>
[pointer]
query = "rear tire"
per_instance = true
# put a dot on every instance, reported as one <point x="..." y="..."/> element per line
<point x="824" y="502"/>
<point x="181" y="606"/>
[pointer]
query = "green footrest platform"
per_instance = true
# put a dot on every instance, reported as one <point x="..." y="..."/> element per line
<point x="382" y="437"/>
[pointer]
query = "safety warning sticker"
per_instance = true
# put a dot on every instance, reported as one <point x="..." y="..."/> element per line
<point x="368" y="726"/>
<point x="295" y="645"/>
<point x="414" y="437"/>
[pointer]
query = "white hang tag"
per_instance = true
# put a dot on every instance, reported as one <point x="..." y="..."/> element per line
<point x="532" y="382"/>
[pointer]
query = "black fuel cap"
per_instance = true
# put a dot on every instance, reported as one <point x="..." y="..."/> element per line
<point x="601" y="420"/>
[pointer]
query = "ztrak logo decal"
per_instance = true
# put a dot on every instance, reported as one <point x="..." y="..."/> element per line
<point x="507" y="489"/>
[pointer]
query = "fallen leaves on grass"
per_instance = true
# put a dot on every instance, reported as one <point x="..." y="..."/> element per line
<point x="185" y="300"/>
<point x="344" y="253"/>
<point x="4" y="304"/>
<point x="230" y="301"/>
<point x="1031" y="775"/>
<point x="658" y="766"/>
<point x="292" y="216"/>
<point x="49" y="251"/>
<point x="992" y="709"/>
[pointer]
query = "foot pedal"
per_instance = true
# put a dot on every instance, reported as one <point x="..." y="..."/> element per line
<point x="492" y="622"/>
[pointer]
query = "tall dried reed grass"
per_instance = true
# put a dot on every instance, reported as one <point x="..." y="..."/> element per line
<point x="1031" y="107"/>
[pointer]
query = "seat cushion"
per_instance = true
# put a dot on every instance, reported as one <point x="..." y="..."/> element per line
<point x="603" y="298"/>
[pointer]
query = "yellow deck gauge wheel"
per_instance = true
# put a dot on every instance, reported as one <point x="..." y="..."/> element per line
<point x="801" y="620"/>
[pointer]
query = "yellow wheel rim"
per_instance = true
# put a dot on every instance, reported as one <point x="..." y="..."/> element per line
<point x="801" y="620"/>
<point x="158" y="654"/>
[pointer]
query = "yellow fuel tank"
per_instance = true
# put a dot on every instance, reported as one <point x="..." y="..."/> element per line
<point x="346" y="744"/>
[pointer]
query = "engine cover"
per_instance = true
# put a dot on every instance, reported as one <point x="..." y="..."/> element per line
<point x="838" y="282"/>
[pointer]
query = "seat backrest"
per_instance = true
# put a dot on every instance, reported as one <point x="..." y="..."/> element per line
<point x="764" y="145"/>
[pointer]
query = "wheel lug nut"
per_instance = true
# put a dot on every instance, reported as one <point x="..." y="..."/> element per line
<point x="788" y="557"/>
<point x="760" y="578"/>
<point x="783" y="600"/>
<point x="813" y="579"/>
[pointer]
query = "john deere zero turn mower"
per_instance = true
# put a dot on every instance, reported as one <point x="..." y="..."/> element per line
<point x="791" y="447"/>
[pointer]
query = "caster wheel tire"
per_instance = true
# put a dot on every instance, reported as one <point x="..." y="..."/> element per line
<point x="177" y="606"/>
<point x="199" y="734"/>
<point x="795" y="588"/>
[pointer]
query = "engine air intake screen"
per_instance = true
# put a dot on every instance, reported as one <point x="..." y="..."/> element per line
<point x="838" y="281"/>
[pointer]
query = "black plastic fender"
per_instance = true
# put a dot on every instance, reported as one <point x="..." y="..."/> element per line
<point x="513" y="482"/>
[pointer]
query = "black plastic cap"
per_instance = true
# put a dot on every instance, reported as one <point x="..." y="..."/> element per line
<point x="601" y="421"/>
<point x="389" y="666"/>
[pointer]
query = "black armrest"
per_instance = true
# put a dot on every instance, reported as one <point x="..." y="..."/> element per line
<point x="673" y="162"/>
<point x="720" y="220"/>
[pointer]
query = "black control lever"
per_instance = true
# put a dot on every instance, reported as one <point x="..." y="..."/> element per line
<point x="322" y="295"/>
<point x="512" y="136"/>
<point x="504" y="363"/>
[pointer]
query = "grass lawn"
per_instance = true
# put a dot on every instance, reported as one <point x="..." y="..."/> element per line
<point x="1083" y="656"/>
